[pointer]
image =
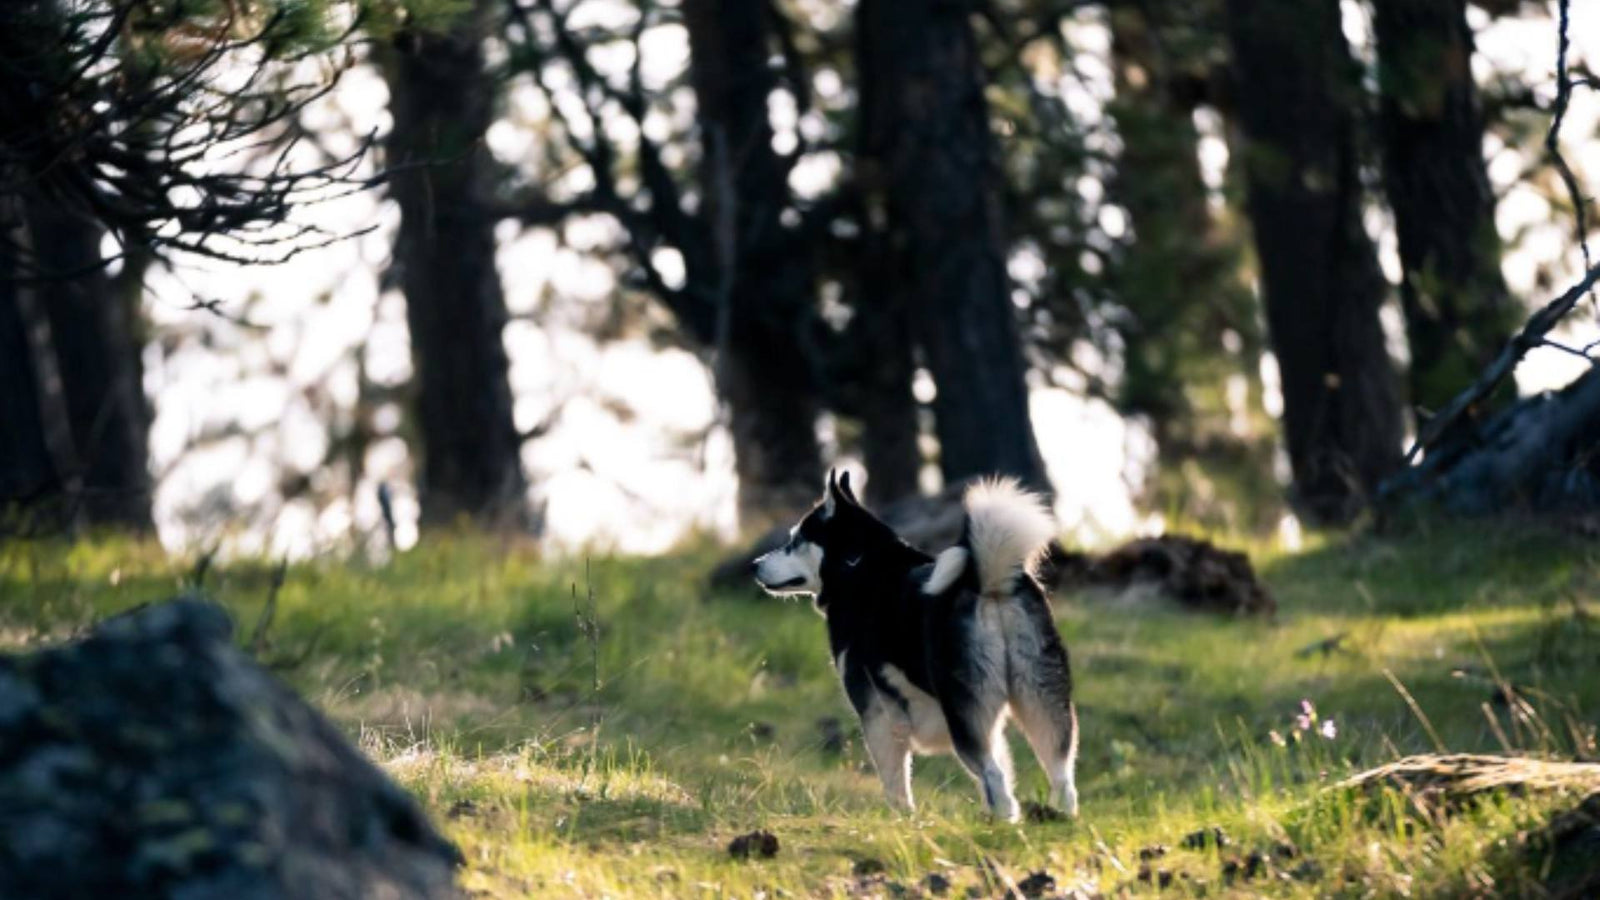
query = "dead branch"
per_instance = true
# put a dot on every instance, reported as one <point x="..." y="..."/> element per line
<point x="1565" y="82"/>
<point x="1536" y="332"/>
<point x="258" y="636"/>
<point x="1533" y="334"/>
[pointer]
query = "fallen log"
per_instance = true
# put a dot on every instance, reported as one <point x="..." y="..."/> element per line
<point x="1540" y="455"/>
<point x="1443" y="781"/>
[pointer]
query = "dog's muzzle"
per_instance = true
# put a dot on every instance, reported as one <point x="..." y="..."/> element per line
<point x="755" y="573"/>
<point x="774" y="581"/>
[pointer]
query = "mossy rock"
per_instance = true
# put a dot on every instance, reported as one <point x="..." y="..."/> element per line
<point x="153" y="759"/>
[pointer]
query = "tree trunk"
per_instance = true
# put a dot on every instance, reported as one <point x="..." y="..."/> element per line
<point x="1297" y="90"/>
<point x="926" y="145"/>
<point x="870" y="366"/>
<point x="93" y="329"/>
<point x="31" y="471"/>
<point x="442" y="97"/>
<point x="765" y="289"/>
<point x="1458" y="312"/>
<point x="888" y="412"/>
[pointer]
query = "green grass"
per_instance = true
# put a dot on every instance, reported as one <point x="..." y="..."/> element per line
<point x="467" y="669"/>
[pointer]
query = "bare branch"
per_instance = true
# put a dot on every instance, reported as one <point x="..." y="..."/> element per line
<point x="1537" y="330"/>
<point x="1533" y="334"/>
<point x="651" y="218"/>
<point x="1552" y="140"/>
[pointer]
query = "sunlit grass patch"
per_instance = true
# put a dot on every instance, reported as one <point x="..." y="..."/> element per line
<point x="606" y="726"/>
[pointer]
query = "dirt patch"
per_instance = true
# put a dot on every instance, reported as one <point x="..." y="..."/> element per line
<point x="831" y="736"/>
<point x="1037" y="884"/>
<point x="1204" y="838"/>
<point x="1161" y="878"/>
<point x="759" y="843"/>
<point x="1191" y="572"/>
<point x="868" y="866"/>
<point x="1039" y="813"/>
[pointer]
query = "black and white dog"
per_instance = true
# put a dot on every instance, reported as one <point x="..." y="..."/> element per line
<point x="937" y="653"/>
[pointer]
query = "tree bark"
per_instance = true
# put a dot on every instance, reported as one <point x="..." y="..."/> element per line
<point x="1458" y="311"/>
<point x="441" y="98"/>
<point x="1297" y="89"/>
<point x="765" y="287"/>
<point x="95" y="335"/>
<point x="870" y="365"/>
<point x="927" y="146"/>
<point x="888" y="413"/>
<point x="30" y="470"/>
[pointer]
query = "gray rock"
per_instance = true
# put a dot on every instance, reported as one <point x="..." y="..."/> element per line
<point x="154" y="759"/>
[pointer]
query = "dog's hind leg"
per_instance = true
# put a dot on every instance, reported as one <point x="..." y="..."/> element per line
<point x="978" y="735"/>
<point x="1041" y="699"/>
<point x="887" y="731"/>
<point x="982" y="749"/>
<point x="970" y="681"/>
<point x="1052" y="730"/>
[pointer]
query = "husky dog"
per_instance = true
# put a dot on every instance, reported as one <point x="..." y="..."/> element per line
<point x="937" y="653"/>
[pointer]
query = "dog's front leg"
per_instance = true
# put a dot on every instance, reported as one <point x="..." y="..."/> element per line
<point x="888" y="737"/>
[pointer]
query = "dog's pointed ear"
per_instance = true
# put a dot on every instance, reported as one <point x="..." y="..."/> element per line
<point x="845" y="491"/>
<point x="830" y="494"/>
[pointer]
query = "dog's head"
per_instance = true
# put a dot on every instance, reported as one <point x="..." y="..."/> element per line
<point x="833" y="533"/>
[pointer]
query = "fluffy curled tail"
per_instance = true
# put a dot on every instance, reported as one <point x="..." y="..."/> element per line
<point x="1008" y="530"/>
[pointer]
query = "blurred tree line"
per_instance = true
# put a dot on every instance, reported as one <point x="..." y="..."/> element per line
<point x="975" y="227"/>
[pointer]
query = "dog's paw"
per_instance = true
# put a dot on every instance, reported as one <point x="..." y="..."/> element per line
<point x="1006" y="810"/>
<point x="1068" y="802"/>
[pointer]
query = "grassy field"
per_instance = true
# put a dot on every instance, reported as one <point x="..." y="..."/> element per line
<point x="605" y="727"/>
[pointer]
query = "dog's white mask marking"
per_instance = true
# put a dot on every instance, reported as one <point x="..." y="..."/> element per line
<point x="795" y="568"/>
